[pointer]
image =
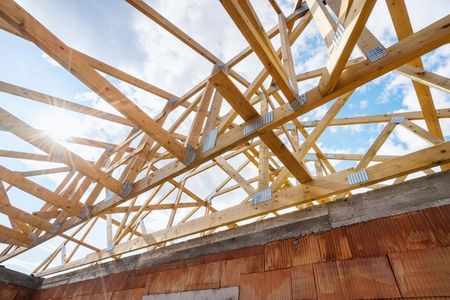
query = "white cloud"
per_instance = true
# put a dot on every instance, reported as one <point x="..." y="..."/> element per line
<point x="363" y="104"/>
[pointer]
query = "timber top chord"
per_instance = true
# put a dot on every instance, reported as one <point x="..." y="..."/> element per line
<point x="152" y="169"/>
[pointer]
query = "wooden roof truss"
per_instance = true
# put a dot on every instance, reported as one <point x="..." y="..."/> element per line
<point x="293" y="172"/>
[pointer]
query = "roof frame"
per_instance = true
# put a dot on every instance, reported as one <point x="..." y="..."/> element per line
<point x="164" y="162"/>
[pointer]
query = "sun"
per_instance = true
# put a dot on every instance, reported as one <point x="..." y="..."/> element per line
<point x="60" y="126"/>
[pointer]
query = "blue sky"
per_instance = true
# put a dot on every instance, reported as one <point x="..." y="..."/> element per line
<point x="114" y="32"/>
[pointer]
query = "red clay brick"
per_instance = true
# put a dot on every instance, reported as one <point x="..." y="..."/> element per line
<point x="422" y="273"/>
<point x="167" y="281"/>
<point x="335" y="264"/>
<point x="116" y="282"/>
<point x="233" y="254"/>
<point x="136" y="280"/>
<point x="232" y="269"/>
<point x="40" y="295"/>
<point x="79" y="288"/>
<point x="121" y="295"/>
<point x="8" y="292"/>
<point x="274" y="284"/>
<point x="439" y="219"/>
<point x="278" y="255"/>
<point x="389" y="235"/>
<point x="355" y="279"/>
<point x="328" y="282"/>
<point x="303" y="283"/>
<point x="206" y="276"/>
<point x="99" y="296"/>
<point x="277" y="284"/>
<point x="368" y="278"/>
<point x="97" y="286"/>
<point x="138" y="294"/>
<point x="87" y="287"/>
<point x="252" y="286"/>
<point x="334" y="245"/>
<point x="305" y="251"/>
<point x="24" y="294"/>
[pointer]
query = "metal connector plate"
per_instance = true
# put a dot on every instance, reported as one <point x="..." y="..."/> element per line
<point x="357" y="177"/>
<point x="262" y="196"/>
<point x="376" y="53"/>
<point x="255" y="125"/>
<point x="210" y="140"/>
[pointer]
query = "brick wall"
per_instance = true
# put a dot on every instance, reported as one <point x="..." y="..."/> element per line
<point x="9" y="291"/>
<point x="401" y="256"/>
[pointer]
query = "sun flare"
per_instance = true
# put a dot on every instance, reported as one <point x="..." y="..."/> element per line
<point x="60" y="126"/>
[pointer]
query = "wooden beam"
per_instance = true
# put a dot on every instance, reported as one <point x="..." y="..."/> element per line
<point x="47" y="214"/>
<point x="45" y="171"/>
<point x="425" y="77"/>
<point x="286" y="54"/>
<point x="237" y="100"/>
<point x="24" y="155"/>
<point x="193" y="138"/>
<point x="25" y="217"/>
<point x="357" y="157"/>
<point x="105" y="68"/>
<point x="258" y="81"/>
<point x="264" y="167"/>
<point x="213" y="114"/>
<point x="428" y="78"/>
<point x="325" y="23"/>
<point x="248" y="23"/>
<point x="134" y="208"/>
<point x="224" y="165"/>
<point x="353" y="26"/>
<point x="376" y="145"/>
<point x="344" y="10"/>
<point x="38" y="191"/>
<point x="10" y="236"/>
<point x="144" y="159"/>
<point x="406" y="50"/>
<point x="421" y="132"/>
<point x="177" y="201"/>
<point x="371" y="119"/>
<point x="15" y="224"/>
<point x="275" y="6"/>
<point x="114" y="72"/>
<point x="57" y="102"/>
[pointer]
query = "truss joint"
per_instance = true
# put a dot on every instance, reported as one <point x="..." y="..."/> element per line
<point x="126" y="188"/>
<point x="262" y="196"/>
<point x="358" y="177"/>
<point x="252" y="126"/>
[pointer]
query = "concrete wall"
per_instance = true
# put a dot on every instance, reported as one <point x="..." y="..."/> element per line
<point x="15" y="285"/>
